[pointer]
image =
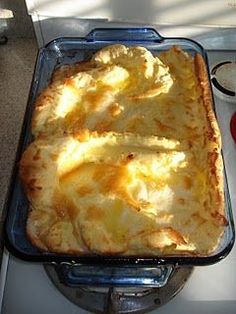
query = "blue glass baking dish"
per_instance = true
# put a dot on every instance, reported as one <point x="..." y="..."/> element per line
<point x="67" y="51"/>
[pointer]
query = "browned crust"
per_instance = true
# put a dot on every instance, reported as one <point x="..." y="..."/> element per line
<point x="40" y="244"/>
<point x="202" y="75"/>
<point x="45" y="99"/>
<point x="32" y="234"/>
<point x="212" y="136"/>
<point x="28" y="168"/>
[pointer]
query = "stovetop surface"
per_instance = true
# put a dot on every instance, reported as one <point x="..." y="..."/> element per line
<point x="211" y="289"/>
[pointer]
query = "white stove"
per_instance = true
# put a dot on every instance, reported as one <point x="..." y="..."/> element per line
<point x="25" y="288"/>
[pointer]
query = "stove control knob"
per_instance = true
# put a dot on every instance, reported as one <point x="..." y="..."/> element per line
<point x="223" y="78"/>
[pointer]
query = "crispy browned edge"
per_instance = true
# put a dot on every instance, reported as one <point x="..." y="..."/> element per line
<point x="213" y="135"/>
<point x="28" y="166"/>
<point x="31" y="235"/>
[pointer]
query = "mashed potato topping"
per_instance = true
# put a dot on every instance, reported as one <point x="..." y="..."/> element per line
<point x="126" y="157"/>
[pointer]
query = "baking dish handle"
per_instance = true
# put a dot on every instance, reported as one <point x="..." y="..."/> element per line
<point x="124" y="34"/>
<point x="81" y="275"/>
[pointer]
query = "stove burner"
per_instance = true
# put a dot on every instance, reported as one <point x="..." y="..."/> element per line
<point x="122" y="300"/>
<point x="223" y="77"/>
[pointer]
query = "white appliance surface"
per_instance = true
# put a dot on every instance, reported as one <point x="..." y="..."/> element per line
<point x="178" y="12"/>
<point x="210" y="289"/>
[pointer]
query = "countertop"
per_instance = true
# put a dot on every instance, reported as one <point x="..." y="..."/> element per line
<point x="17" y="59"/>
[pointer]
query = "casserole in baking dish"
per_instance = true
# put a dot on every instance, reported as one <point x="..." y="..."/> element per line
<point x="126" y="158"/>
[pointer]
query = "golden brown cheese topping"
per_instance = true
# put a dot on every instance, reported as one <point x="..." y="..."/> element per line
<point x="126" y="158"/>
